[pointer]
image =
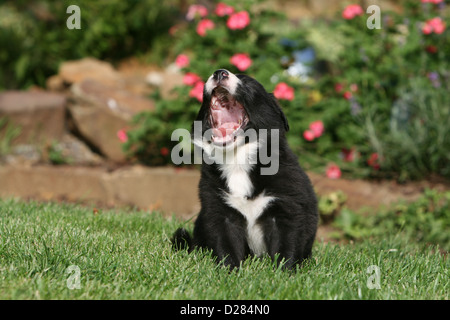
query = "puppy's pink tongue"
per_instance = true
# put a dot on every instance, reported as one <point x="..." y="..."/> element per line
<point x="225" y="129"/>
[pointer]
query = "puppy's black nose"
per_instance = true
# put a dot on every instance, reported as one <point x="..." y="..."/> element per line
<point x="220" y="74"/>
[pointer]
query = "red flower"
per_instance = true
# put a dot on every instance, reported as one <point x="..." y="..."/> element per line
<point x="349" y="155"/>
<point x="241" y="60"/>
<point x="195" y="9"/>
<point x="223" y="10"/>
<point x="309" y="135"/>
<point x="238" y="20"/>
<point x="182" y="61"/>
<point x="317" y="128"/>
<point x="353" y="87"/>
<point x="190" y="79"/>
<point x="352" y="11"/>
<point x="204" y="25"/>
<point x="333" y="171"/>
<point x="338" y="87"/>
<point x="164" y="151"/>
<point x="373" y="161"/>
<point x="431" y="49"/>
<point x="347" y="95"/>
<point x="283" y="91"/>
<point x="122" y="135"/>
<point x="197" y="91"/>
<point x="435" y="25"/>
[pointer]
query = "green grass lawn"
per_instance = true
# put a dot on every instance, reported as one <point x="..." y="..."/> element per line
<point x="126" y="254"/>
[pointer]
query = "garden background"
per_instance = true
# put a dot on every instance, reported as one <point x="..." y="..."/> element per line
<point x="86" y="114"/>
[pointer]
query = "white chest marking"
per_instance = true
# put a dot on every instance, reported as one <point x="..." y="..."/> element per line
<point x="240" y="187"/>
<point x="252" y="209"/>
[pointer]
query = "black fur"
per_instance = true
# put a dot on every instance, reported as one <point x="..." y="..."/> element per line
<point x="289" y="223"/>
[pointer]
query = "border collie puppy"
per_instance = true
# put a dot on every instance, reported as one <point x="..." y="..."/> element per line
<point x="251" y="203"/>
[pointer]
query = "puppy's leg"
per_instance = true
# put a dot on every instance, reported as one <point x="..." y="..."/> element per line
<point x="290" y="238"/>
<point x="227" y="239"/>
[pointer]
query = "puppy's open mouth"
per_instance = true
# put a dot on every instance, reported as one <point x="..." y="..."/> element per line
<point x="227" y="116"/>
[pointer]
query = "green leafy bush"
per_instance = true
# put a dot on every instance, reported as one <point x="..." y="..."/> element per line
<point x="34" y="37"/>
<point x="401" y="72"/>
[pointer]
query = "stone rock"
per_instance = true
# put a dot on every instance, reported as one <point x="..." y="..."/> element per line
<point x="163" y="189"/>
<point x="75" y="152"/>
<point x="100" y="111"/>
<point x="167" y="190"/>
<point x="39" y="114"/>
<point x="165" y="80"/>
<point x="89" y="68"/>
<point x="121" y="102"/>
<point x="67" y="149"/>
<point x="53" y="183"/>
<point x="99" y="127"/>
<point x="22" y="155"/>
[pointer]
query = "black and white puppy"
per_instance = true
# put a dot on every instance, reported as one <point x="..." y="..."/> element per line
<point x="255" y="198"/>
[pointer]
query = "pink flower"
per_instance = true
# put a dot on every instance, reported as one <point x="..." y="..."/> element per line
<point x="238" y="20"/>
<point x="196" y="9"/>
<point x="308" y="135"/>
<point x="349" y="155"/>
<point x="241" y="60"/>
<point x="204" y="25"/>
<point x="352" y="11"/>
<point x="197" y="91"/>
<point x="333" y="171"/>
<point x="190" y="79"/>
<point x="122" y="135"/>
<point x="317" y="128"/>
<point x="338" y="87"/>
<point x="347" y="95"/>
<point x="353" y="87"/>
<point x="432" y="1"/>
<point x="182" y="61"/>
<point x="283" y="91"/>
<point x="427" y="29"/>
<point x="435" y="25"/>
<point x="223" y="10"/>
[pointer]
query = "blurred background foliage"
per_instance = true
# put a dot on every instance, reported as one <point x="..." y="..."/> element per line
<point x="381" y="94"/>
<point x="34" y="38"/>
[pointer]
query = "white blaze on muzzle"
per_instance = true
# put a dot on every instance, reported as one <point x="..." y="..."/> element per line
<point x="230" y="83"/>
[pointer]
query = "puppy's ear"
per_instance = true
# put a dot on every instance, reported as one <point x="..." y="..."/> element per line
<point x="202" y="113"/>
<point x="278" y="109"/>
